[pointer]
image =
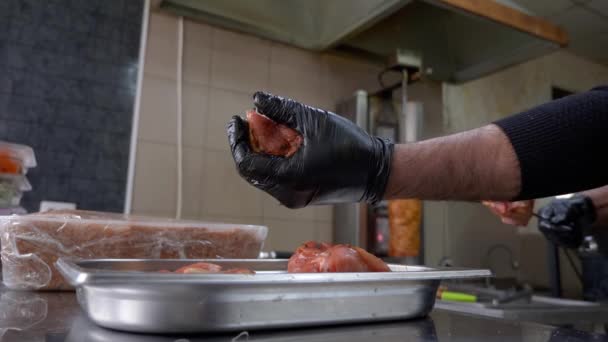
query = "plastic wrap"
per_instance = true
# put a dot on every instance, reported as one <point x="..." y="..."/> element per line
<point x="12" y="187"/>
<point x="30" y="244"/>
<point x="15" y="158"/>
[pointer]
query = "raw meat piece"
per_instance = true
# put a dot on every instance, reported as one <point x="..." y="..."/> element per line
<point x="374" y="264"/>
<point x="267" y="136"/>
<point x="204" y="267"/>
<point x="199" y="267"/>
<point x="238" y="271"/>
<point x="313" y="257"/>
<point x="306" y="258"/>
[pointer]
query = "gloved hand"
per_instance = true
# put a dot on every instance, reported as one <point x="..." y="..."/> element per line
<point x="563" y="220"/>
<point x="338" y="162"/>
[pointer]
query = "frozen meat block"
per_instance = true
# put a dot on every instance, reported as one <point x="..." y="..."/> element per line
<point x="32" y="243"/>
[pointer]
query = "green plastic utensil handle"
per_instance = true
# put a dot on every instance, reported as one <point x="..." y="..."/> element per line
<point x="458" y="297"/>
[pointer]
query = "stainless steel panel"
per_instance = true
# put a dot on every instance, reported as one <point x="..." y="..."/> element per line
<point x="350" y="219"/>
<point x="128" y="295"/>
<point x="350" y="224"/>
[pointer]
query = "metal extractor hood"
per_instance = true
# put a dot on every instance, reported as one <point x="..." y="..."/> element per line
<point x="458" y="40"/>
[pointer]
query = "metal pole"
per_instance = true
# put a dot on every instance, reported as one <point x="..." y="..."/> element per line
<point x="555" y="281"/>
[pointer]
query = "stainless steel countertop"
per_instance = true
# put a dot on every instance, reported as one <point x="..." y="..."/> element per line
<point x="56" y="316"/>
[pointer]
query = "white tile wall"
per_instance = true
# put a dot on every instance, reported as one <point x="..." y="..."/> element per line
<point x="297" y="74"/>
<point x="154" y="185"/>
<point x="222" y="70"/>
<point x="194" y="173"/>
<point x="161" y="48"/>
<point x="225" y="193"/>
<point x="232" y="71"/>
<point x="158" y="119"/>
<point x="239" y="62"/>
<point x="223" y="104"/>
<point x="197" y="52"/>
<point x="195" y="107"/>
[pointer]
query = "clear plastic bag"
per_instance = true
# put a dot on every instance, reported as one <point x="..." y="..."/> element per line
<point x="16" y="158"/>
<point x="30" y="244"/>
<point x="12" y="187"/>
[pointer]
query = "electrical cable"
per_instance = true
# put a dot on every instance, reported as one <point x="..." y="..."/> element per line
<point x="568" y="256"/>
<point x="574" y="268"/>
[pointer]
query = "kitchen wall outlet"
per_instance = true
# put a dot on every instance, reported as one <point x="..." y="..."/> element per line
<point x="51" y="205"/>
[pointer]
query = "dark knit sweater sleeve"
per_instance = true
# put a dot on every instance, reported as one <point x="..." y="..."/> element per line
<point x="562" y="146"/>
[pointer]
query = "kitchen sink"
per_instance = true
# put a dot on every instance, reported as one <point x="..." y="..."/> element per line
<point x="512" y="305"/>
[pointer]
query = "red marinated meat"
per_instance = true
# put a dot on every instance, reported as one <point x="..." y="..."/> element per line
<point x="267" y="136"/>
<point x="313" y="257"/>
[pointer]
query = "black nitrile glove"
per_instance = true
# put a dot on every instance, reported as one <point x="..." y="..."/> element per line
<point x="338" y="162"/>
<point x="563" y="220"/>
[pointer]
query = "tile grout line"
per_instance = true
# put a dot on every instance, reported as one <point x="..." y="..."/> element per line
<point x="212" y="35"/>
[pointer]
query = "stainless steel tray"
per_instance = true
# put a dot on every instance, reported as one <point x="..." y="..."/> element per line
<point x="419" y="330"/>
<point x="128" y="295"/>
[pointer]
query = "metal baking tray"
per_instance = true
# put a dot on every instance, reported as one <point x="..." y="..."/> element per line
<point x="127" y="294"/>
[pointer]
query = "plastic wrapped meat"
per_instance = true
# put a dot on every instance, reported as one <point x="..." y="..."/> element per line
<point x="313" y="257"/>
<point x="30" y="244"/>
<point x="267" y="136"/>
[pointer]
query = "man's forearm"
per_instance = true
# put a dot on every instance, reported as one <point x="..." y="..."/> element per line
<point x="473" y="165"/>
<point x="552" y="149"/>
<point x="599" y="197"/>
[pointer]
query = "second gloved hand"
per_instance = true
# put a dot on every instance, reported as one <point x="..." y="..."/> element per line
<point x="337" y="162"/>
<point x="563" y="220"/>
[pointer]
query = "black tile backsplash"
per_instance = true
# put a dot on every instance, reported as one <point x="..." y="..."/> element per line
<point x="68" y="73"/>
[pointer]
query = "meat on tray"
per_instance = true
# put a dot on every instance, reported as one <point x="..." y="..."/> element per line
<point x="314" y="257"/>
<point x="267" y="136"/>
<point x="311" y="257"/>
<point x="205" y="267"/>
